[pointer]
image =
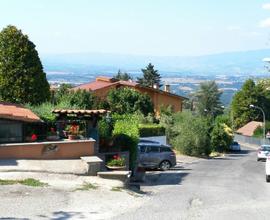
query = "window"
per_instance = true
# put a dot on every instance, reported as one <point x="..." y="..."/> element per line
<point x="142" y="149"/>
<point x="165" y="149"/>
<point x="152" y="149"/>
<point x="10" y="131"/>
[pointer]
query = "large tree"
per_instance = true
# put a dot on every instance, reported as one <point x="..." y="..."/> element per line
<point x="208" y="99"/>
<point x="150" y="77"/>
<point x="22" y="79"/>
<point x="250" y="94"/>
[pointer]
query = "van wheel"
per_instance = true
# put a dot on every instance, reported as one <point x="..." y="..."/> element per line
<point x="165" y="165"/>
<point x="267" y="178"/>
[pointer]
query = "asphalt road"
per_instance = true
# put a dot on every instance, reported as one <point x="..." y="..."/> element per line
<point x="232" y="187"/>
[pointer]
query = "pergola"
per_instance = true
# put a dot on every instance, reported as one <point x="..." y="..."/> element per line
<point x="90" y="117"/>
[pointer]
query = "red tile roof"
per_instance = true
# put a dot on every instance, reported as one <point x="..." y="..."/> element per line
<point x="103" y="82"/>
<point x="249" y="128"/>
<point x="17" y="112"/>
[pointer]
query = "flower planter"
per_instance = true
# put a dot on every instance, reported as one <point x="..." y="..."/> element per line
<point x="116" y="167"/>
<point x="52" y="138"/>
<point x="72" y="137"/>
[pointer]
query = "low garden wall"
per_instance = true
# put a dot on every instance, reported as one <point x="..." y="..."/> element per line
<point x="68" y="149"/>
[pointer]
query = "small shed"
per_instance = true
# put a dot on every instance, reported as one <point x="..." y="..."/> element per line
<point x="13" y="121"/>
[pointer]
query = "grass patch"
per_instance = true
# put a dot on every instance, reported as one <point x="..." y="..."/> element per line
<point x="87" y="186"/>
<point x="26" y="182"/>
<point x="117" y="189"/>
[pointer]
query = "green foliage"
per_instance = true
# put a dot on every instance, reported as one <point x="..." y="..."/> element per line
<point x="249" y="94"/>
<point x="120" y="161"/>
<point x="44" y="110"/>
<point x="208" y="99"/>
<point x="122" y="76"/>
<point x="126" y="135"/>
<point x="167" y="121"/>
<point x="192" y="135"/>
<point x="128" y="101"/>
<point x="150" y="77"/>
<point x="148" y="130"/>
<point x="22" y="79"/>
<point x="221" y="137"/>
<point x="104" y="129"/>
<point x="259" y="130"/>
<point x="82" y="99"/>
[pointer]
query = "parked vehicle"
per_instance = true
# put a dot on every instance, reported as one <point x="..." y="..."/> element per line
<point x="156" y="155"/>
<point x="235" y="146"/>
<point x="267" y="169"/>
<point x="263" y="152"/>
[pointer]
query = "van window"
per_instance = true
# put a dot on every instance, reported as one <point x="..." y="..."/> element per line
<point x="142" y="149"/>
<point x="165" y="149"/>
<point x="152" y="149"/>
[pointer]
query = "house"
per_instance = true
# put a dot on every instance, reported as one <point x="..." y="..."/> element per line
<point x="249" y="128"/>
<point x="14" y="120"/>
<point x="103" y="85"/>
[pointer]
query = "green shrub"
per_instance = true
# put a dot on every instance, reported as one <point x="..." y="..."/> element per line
<point x="126" y="135"/>
<point x="192" y="135"/>
<point x="148" y="130"/>
<point x="221" y="138"/>
<point x="104" y="129"/>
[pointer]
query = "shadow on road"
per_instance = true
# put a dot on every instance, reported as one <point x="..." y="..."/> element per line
<point x="61" y="215"/>
<point x="164" y="178"/>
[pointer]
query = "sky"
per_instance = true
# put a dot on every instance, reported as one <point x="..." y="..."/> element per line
<point x="141" y="27"/>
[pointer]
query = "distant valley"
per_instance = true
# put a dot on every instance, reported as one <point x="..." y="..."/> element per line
<point x="184" y="74"/>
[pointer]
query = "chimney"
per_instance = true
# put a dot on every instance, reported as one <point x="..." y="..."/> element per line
<point x="167" y="88"/>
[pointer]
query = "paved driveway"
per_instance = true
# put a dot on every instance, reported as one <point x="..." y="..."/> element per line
<point x="232" y="187"/>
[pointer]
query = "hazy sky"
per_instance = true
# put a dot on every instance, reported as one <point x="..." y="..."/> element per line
<point x="147" y="27"/>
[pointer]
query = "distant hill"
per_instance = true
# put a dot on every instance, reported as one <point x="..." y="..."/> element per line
<point x="245" y="62"/>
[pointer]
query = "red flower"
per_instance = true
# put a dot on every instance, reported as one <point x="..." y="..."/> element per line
<point x="34" y="137"/>
<point x="52" y="130"/>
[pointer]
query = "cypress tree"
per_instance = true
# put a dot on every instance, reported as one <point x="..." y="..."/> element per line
<point x="22" y="79"/>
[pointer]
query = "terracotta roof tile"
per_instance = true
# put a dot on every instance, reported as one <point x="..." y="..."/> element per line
<point x="249" y="128"/>
<point x="17" y="112"/>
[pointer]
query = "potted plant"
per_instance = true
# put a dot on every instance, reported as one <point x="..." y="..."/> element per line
<point x="52" y="135"/>
<point x="117" y="163"/>
<point x="73" y="131"/>
<point x="31" y="138"/>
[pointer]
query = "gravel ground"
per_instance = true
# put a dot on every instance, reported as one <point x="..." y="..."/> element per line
<point x="62" y="199"/>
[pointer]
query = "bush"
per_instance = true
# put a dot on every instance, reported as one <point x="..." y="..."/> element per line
<point x="148" y="130"/>
<point x="44" y="111"/>
<point x="221" y="138"/>
<point x="126" y="135"/>
<point x="104" y="129"/>
<point x="192" y="135"/>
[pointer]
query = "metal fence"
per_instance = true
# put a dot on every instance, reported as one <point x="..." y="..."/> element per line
<point x="250" y="140"/>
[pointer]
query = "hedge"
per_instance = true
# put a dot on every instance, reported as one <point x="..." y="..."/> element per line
<point x="148" y="130"/>
<point x="126" y="135"/>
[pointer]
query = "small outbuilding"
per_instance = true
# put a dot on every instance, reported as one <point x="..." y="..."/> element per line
<point x="14" y="122"/>
<point x="249" y="128"/>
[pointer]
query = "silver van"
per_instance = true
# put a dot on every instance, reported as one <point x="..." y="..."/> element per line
<point x="155" y="155"/>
